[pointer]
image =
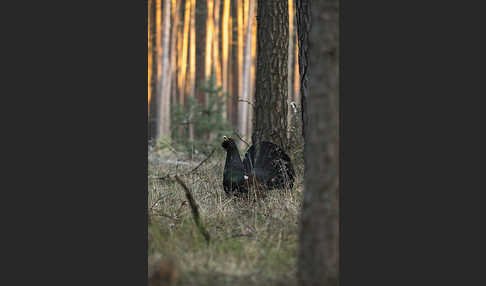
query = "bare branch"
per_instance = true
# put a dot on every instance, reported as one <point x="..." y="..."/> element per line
<point x="245" y="100"/>
<point x="202" y="162"/>
<point x="236" y="133"/>
<point x="195" y="209"/>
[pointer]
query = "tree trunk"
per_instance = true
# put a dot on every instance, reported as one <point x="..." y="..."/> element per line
<point x="303" y="26"/>
<point x="149" y="51"/>
<point x="185" y="46"/>
<point x="164" y="80"/>
<point x="153" y="103"/>
<point x="201" y="18"/>
<point x="319" y="234"/>
<point x="290" y="63"/>
<point x="172" y="88"/>
<point x="192" y="66"/>
<point x="245" y="95"/>
<point x="270" y="107"/>
<point x="234" y="64"/>
<point x="225" y="46"/>
<point x="251" y="96"/>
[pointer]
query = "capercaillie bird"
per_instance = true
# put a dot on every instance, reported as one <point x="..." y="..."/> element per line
<point x="265" y="167"/>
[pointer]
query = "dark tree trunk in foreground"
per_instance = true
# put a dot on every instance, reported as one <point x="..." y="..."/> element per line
<point x="319" y="236"/>
<point x="271" y="89"/>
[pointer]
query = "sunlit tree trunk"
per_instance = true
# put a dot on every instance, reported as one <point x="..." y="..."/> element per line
<point x="319" y="235"/>
<point x="164" y="78"/>
<point x="271" y="88"/>
<point x="291" y="57"/>
<point x="296" y="78"/>
<point x="192" y="65"/>
<point x="216" y="42"/>
<point x="225" y="32"/>
<point x="253" y="67"/>
<point x="184" y="51"/>
<point x="209" y="39"/>
<point x="245" y="96"/>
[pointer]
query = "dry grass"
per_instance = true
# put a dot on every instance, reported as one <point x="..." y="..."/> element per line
<point x="253" y="242"/>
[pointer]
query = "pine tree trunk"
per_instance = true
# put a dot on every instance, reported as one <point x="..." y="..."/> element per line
<point x="225" y="46"/>
<point x="270" y="107"/>
<point x="303" y="26"/>
<point x="235" y="68"/>
<point x="163" y="89"/>
<point x="245" y="95"/>
<point x="192" y="66"/>
<point x="319" y="235"/>
<point x="201" y="19"/>
<point x="153" y="105"/>
<point x="184" y="79"/>
<point x="290" y="63"/>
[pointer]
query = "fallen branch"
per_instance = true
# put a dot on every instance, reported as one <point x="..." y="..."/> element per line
<point x="195" y="209"/>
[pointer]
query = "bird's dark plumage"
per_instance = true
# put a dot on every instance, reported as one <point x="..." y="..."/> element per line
<point x="265" y="166"/>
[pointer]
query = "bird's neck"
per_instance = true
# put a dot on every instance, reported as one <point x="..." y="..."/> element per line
<point x="233" y="157"/>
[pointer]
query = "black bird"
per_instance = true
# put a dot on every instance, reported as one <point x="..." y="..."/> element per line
<point x="265" y="166"/>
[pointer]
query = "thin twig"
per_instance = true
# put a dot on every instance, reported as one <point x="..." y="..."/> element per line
<point x="168" y="176"/>
<point x="245" y="100"/>
<point x="234" y="131"/>
<point x="166" y="215"/>
<point x="202" y="162"/>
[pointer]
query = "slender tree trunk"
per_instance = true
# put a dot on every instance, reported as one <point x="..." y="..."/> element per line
<point x="225" y="46"/>
<point x="149" y="52"/>
<point x="172" y="74"/>
<point x="201" y="19"/>
<point x="234" y="66"/>
<point x="216" y="42"/>
<point x="253" y="67"/>
<point x="184" y="52"/>
<point x="271" y="88"/>
<point x="209" y="39"/>
<point x="319" y="235"/>
<point x="240" y="45"/>
<point x="296" y="78"/>
<point x="192" y="66"/>
<point x="164" y="75"/>
<point x="225" y="30"/>
<point x="245" y="96"/>
<point x="290" y="64"/>
<point x="153" y="103"/>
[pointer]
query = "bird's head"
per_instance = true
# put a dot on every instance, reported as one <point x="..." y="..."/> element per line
<point x="228" y="142"/>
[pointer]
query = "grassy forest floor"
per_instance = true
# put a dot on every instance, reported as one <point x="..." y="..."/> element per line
<point x="252" y="242"/>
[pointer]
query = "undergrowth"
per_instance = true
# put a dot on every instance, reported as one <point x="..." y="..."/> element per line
<point x="252" y="242"/>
